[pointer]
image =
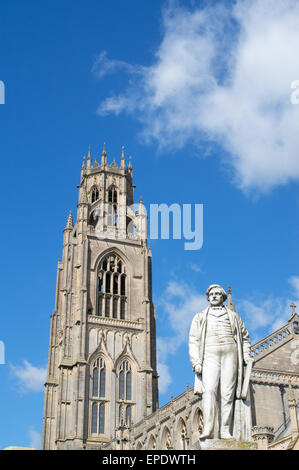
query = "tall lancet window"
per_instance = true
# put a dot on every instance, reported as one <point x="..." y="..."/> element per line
<point x="112" y="206"/>
<point x="99" y="379"/>
<point x="98" y="396"/>
<point x="112" y="296"/>
<point x="94" y="194"/>
<point x="125" y="395"/>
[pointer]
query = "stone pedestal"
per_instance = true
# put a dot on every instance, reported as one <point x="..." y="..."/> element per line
<point x="224" y="444"/>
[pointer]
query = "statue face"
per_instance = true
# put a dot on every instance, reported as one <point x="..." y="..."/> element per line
<point x="215" y="296"/>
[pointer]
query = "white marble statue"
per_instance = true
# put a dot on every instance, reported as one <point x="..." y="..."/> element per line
<point x="219" y="347"/>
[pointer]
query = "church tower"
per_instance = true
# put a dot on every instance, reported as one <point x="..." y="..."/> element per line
<point x="102" y="352"/>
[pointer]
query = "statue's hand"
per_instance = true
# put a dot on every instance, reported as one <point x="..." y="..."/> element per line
<point x="198" y="368"/>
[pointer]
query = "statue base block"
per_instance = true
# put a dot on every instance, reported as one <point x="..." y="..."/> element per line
<point x="224" y="444"/>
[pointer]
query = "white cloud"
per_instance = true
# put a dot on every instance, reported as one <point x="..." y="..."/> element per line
<point x="35" y="439"/>
<point x="180" y="303"/>
<point x="294" y="281"/>
<point x="266" y="315"/>
<point x="222" y="75"/>
<point x="164" y="377"/>
<point x="104" y="66"/>
<point x="196" y="268"/>
<point x="30" y="377"/>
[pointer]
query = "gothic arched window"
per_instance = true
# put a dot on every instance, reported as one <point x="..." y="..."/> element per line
<point x="111" y="288"/>
<point x="112" y="208"/>
<point x="98" y="395"/>
<point x="94" y="194"/>
<point x="112" y="194"/>
<point x="125" y="381"/>
<point x="99" y="378"/>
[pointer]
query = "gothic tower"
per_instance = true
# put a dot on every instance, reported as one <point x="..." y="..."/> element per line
<point x="102" y="352"/>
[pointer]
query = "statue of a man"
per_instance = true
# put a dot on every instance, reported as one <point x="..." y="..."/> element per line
<point x="219" y="347"/>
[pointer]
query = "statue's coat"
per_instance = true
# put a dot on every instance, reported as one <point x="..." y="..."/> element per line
<point x="197" y="345"/>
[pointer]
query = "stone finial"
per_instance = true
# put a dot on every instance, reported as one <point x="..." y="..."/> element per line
<point x="88" y="158"/>
<point x="104" y="155"/>
<point x="293" y="307"/>
<point x="69" y="222"/>
<point x="130" y="163"/>
<point x="95" y="162"/>
<point x="83" y="164"/>
<point x="141" y="208"/>
<point x="230" y="304"/>
<point x="122" y="160"/>
<point x="114" y="164"/>
<point x="294" y="313"/>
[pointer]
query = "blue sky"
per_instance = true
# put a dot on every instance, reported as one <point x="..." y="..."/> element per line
<point x="199" y="95"/>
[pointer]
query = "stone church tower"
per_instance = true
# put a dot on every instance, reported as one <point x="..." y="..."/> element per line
<point x="102" y="353"/>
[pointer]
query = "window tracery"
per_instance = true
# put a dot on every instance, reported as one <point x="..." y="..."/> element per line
<point x="112" y="200"/>
<point x="112" y="288"/>
<point x="94" y="194"/>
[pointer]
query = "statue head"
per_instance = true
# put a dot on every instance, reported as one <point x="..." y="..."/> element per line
<point x="216" y="295"/>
